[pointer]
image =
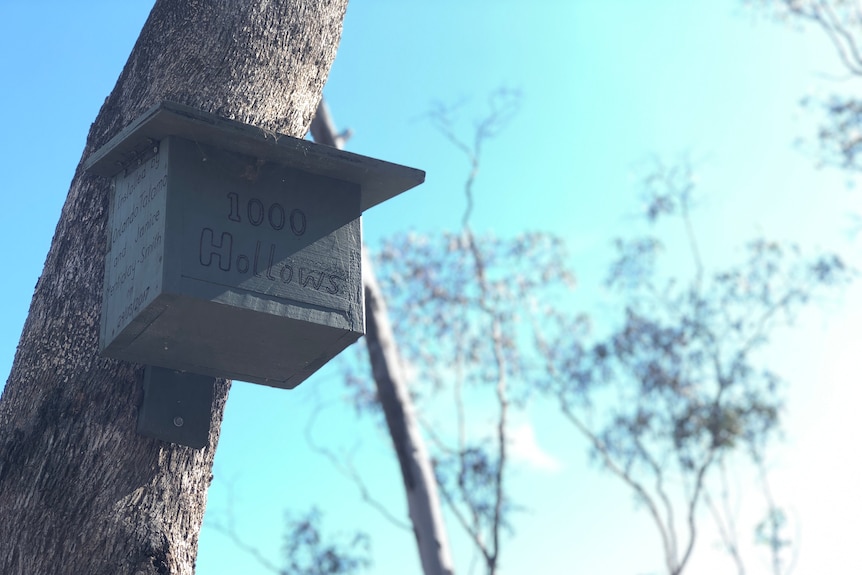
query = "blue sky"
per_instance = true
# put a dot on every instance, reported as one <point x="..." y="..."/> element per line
<point x="606" y="85"/>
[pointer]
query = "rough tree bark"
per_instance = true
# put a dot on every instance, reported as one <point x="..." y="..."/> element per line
<point x="80" y="492"/>
<point x="423" y="501"/>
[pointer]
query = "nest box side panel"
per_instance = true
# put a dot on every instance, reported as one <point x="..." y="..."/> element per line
<point x="135" y="253"/>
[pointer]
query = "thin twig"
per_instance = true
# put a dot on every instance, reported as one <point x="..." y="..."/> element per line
<point x="346" y="468"/>
<point x="231" y="533"/>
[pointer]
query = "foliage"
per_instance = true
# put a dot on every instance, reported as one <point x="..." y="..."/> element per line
<point x="306" y="549"/>
<point x="840" y="133"/>
<point x="307" y="552"/>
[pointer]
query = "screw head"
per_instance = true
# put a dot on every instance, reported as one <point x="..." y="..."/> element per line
<point x="178" y="421"/>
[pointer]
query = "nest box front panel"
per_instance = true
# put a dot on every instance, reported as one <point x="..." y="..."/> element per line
<point x="261" y="229"/>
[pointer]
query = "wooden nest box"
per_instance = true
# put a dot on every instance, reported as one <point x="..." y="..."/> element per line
<point x="233" y="252"/>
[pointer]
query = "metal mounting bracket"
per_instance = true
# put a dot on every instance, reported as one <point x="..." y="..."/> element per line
<point x="177" y="406"/>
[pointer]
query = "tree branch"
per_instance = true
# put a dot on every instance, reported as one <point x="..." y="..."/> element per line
<point x="727" y="531"/>
<point x="643" y="494"/>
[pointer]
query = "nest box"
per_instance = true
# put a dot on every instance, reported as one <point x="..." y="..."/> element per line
<point x="233" y="252"/>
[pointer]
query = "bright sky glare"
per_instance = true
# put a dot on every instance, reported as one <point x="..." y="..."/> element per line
<point x="607" y="84"/>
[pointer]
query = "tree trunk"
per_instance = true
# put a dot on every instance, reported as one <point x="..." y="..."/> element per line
<point x="80" y="491"/>
<point x="423" y="502"/>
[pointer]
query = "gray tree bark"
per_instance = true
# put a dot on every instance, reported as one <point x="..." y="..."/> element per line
<point x="420" y="485"/>
<point x="80" y="491"/>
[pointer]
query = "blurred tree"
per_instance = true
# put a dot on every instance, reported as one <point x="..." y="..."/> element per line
<point x="306" y="549"/>
<point x="664" y="399"/>
<point x="307" y="552"/>
<point x="674" y="388"/>
<point x="80" y="490"/>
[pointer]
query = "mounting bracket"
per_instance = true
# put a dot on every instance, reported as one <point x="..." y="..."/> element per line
<point x="177" y="406"/>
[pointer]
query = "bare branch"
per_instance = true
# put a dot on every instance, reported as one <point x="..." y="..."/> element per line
<point x="844" y="43"/>
<point x="344" y="465"/>
<point x="504" y="104"/>
<point x="662" y="495"/>
<point x="692" y="507"/>
<point x="469" y="527"/>
<point x="229" y="530"/>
